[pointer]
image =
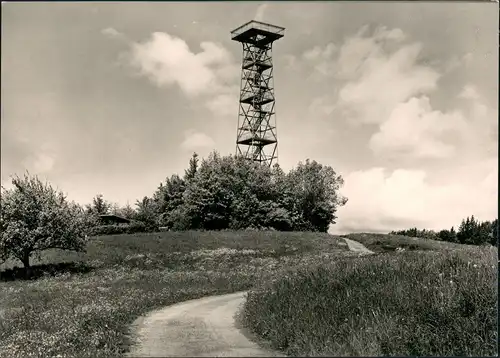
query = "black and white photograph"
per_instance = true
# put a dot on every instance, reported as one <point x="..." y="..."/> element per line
<point x="249" y="179"/>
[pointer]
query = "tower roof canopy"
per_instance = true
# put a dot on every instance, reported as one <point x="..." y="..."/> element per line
<point x="257" y="33"/>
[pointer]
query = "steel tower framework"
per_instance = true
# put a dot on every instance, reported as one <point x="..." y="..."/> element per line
<point x="256" y="137"/>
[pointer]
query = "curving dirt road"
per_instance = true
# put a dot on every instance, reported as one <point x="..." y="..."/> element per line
<point x="198" y="328"/>
<point x="357" y="247"/>
<point x="204" y="327"/>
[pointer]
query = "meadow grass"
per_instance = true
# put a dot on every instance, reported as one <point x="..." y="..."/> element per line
<point x="388" y="243"/>
<point x="84" y="306"/>
<point x="417" y="303"/>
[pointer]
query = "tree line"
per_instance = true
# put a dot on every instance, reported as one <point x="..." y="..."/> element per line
<point x="220" y="192"/>
<point x="231" y="192"/>
<point x="470" y="232"/>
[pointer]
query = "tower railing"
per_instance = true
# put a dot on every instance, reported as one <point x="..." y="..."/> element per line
<point x="253" y="24"/>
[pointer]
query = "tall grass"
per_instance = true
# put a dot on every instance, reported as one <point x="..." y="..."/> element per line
<point x="389" y="243"/>
<point x="421" y="303"/>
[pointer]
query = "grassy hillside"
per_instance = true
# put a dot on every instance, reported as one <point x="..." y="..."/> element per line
<point x="83" y="304"/>
<point x="434" y="299"/>
<point x="437" y="299"/>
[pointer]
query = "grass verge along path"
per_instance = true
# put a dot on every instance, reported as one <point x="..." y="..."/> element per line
<point x="418" y="303"/>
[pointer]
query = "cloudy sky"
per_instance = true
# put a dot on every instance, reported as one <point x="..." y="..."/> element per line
<point x="399" y="98"/>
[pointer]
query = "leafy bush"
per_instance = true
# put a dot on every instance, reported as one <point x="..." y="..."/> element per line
<point x="232" y="192"/>
<point x="147" y="213"/>
<point x="278" y="218"/>
<point x="179" y="219"/>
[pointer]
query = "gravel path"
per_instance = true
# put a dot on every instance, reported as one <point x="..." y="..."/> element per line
<point x="357" y="247"/>
<point x="198" y="328"/>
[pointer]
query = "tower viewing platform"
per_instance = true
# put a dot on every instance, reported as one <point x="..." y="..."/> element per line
<point x="257" y="33"/>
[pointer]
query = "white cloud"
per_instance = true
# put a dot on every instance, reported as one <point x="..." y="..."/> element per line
<point x="39" y="163"/>
<point x="321" y="106"/>
<point x="382" y="201"/>
<point x="380" y="81"/>
<point x="225" y="104"/>
<point x="383" y="81"/>
<point x="377" y="77"/>
<point x="382" y="33"/>
<point x="456" y="62"/>
<point x="320" y="53"/>
<point x="111" y="32"/>
<point x="312" y="54"/>
<point x="43" y="163"/>
<point x="261" y="10"/>
<point x="481" y="133"/>
<point x="374" y="73"/>
<point x="194" y="140"/>
<point x="320" y="58"/>
<point x="168" y="61"/>
<point x="291" y="62"/>
<point x="467" y="58"/>
<point x="469" y="92"/>
<point x="414" y="129"/>
<point x="358" y="50"/>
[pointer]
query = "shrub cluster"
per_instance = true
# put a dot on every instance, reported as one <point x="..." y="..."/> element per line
<point x="232" y="192"/>
<point x="132" y="228"/>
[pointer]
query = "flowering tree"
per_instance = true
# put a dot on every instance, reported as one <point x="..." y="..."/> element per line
<point x="35" y="217"/>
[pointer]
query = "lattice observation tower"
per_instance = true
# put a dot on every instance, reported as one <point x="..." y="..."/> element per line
<point x="256" y="137"/>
